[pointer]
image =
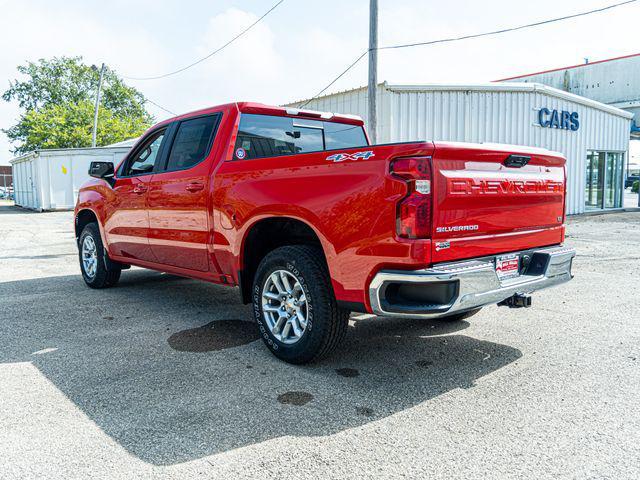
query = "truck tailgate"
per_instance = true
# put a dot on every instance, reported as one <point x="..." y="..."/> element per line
<point x="485" y="203"/>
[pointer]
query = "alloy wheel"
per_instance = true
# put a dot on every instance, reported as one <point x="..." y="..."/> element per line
<point x="284" y="306"/>
<point x="89" y="256"/>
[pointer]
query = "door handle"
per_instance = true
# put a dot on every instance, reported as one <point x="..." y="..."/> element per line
<point x="194" y="187"/>
<point x="140" y="189"/>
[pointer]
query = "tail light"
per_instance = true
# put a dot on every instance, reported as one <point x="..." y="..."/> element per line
<point x="414" y="210"/>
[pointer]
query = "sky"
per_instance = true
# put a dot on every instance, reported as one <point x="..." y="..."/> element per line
<point x="301" y="46"/>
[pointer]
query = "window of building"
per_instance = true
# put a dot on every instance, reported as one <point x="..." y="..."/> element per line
<point x="604" y="180"/>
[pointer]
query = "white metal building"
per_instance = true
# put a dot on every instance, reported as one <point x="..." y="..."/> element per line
<point x="614" y="81"/>
<point x="589" y="133"/>
<point x="50" y="179"/>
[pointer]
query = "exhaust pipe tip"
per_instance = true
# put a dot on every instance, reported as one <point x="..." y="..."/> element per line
<point x="518" y="300"/>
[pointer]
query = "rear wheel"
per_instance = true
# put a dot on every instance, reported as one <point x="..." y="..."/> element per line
<point x="93" y="259"/>
<point x="294" y="305"/>
<point x="456" y="317"/>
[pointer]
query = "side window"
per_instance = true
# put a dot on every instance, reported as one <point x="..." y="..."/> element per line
<point x="270" y="136"/>
<point x="343" y="135"/>
<point x="145" y="158"/>
<point x="191" y="143"/>
<point x="262" y="136"/>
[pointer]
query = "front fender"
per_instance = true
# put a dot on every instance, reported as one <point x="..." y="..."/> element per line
<point x="92" y="198"/>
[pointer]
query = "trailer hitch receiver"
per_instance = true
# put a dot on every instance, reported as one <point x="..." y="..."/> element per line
<point x="518" y="300"/>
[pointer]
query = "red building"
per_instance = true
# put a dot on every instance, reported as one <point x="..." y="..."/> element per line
<point x="6" y="179"/>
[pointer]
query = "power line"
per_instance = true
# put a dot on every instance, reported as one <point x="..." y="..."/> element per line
<point x="212" y="53"/>
<point x="512" y="29"/>
<point x="338" y="77"/>
<point x="466" y="37"/>
<point x="147" y="100"/>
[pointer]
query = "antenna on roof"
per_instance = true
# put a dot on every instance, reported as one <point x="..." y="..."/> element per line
<point x="586" y="60"/>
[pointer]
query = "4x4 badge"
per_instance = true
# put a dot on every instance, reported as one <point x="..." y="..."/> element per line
<point x="342" y="157"/>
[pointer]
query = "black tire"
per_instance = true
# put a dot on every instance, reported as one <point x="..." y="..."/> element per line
<point x="326" y="322"/>
<point x="102" y="277"/>
<point x="456" y="317"/>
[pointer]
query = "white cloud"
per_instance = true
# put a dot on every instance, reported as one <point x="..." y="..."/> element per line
<point x="247" y="68"/>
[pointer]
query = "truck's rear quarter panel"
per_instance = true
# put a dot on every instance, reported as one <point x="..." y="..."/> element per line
<point x="351" y="205"/>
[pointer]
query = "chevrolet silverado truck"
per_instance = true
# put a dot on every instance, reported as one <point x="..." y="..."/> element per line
<point x="311" y="222"/>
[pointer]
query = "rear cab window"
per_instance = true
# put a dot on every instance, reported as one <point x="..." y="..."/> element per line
<point x="261" y="136"/>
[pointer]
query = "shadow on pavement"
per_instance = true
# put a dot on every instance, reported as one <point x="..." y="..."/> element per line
<point x="131" y="359"/>
<point x="13" y="209"/>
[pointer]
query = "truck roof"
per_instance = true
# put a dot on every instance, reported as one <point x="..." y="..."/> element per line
<point x="263" y="109"/>
<point x="260" y="108"/>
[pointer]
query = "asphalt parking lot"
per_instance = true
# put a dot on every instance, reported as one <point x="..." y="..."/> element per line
<point x="163" y="377"/>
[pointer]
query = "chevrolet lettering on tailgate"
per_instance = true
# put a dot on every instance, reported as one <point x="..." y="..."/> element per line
<point x="474" y="186"/>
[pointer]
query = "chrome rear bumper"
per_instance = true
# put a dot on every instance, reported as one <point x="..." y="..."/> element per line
<point x="467" y="284"/>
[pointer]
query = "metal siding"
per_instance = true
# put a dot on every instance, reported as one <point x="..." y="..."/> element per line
<point x="615" y="82"/>
<point x="24" y="183"/>
<point x="43" y="185"/>
<point x="21" y="185"/>
<point x="18" y="183"/>
<point x="16" y="172"/>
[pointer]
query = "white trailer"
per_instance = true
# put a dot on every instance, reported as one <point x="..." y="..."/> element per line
<point x="50" y="179"/>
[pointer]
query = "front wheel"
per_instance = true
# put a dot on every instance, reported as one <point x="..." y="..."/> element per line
<point x="92" y="259"/>
<point x="294" y="305"/>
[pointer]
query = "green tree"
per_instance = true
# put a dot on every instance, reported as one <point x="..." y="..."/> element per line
<point x="57" y="98"/>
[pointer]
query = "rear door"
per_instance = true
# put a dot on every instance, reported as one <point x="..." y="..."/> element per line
<point x="179" y="194"/>
<point x="495" y="198"/>
<point x="127" y="220"/>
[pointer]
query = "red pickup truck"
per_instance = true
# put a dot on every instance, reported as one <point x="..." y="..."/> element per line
<point x="311" y="222"/>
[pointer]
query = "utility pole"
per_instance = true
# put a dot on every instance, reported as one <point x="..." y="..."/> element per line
<point x="373" y="70"/>
<point x="95" y="112"/>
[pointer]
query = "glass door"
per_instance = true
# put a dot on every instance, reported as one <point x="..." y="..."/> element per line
<point x="605" y="173"/>
<point x="613" y="180"/>
<point x="595" y="180"/>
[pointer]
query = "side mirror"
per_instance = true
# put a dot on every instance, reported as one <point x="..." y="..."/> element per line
<point x="102" y="170"/>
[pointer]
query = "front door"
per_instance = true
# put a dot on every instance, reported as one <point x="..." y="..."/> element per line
<point x="127" y="219"/>
<point x="614" y="184"/>
<point x="178" y="197"/>
<point x="595" y="180"/>
<point x="604" y="180"/>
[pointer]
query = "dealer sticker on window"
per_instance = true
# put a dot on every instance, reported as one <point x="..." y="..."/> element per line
<point x="241" y="153"/>
<point x="507" y="266"/>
